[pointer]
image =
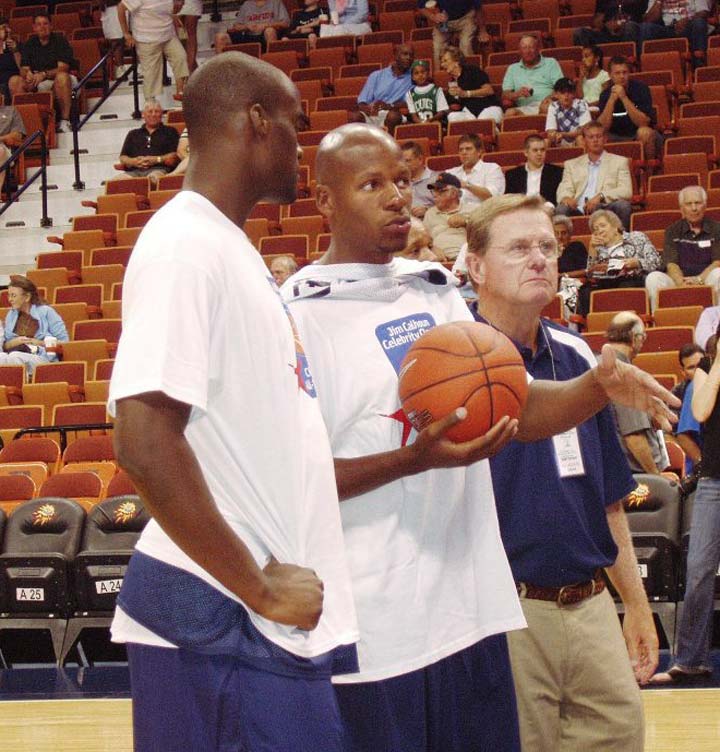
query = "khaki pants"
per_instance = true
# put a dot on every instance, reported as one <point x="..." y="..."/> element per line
<point x="575" y="688"/>
<point x="464" y="27"/>
<point x="151" y="54"/>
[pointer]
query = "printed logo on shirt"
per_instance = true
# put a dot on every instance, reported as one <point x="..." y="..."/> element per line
<point x="396" y="337"/>
<point x="301" y="366"/>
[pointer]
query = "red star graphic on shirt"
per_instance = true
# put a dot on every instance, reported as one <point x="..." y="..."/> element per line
<point x="400" y="416"/>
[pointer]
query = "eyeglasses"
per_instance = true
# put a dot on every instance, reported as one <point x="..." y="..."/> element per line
<point x="521" y="250"/>
<point x="640" y="335"/>
<point x="441" y="190"/>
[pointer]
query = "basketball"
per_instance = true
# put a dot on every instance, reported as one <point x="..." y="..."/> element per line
<point x="462" y="364"/>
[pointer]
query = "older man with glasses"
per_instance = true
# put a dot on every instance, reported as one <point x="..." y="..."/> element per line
<point x="560" y="511"/>
<point x="446" y="220"/>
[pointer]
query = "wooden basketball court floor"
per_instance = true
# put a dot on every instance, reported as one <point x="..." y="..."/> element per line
<point x="678" y="720"/>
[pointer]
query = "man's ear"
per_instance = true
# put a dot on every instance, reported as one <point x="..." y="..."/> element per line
<point x="476" y="268"/>
<point x="324" y="200"/>
<point x="259" y="121"/>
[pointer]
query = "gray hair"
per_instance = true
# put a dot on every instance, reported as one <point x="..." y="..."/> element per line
<point x="288" y="262"/>
<point x="683" y="193"/>
<point x="561" y="219"/>
<point x="608" y="216"/>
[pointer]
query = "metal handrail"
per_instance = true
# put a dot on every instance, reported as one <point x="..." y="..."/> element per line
<point x="77" y="122"/>
<point x="45" y="221"/>
<point x="63" y="430"/>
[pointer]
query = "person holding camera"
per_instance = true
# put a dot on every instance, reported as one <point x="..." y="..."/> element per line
<point x="9" y="60"/>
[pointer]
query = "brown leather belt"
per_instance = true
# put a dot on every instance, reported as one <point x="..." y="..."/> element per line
<point x="567" y="595"/>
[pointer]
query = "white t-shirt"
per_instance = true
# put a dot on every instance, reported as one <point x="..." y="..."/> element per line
<point x="484" y="175"/>
<point x="203" y="322"/>
<point x="151" y="20"/>
<point x="430" y="576"/>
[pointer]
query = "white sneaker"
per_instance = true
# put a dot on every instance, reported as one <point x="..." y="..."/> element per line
<point x="64" y="127"/>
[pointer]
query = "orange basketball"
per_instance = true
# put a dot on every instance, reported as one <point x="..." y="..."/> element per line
<point x="462" y="364"/>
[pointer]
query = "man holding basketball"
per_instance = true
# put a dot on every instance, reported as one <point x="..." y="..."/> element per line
<point x="430" y="578"/>
<point x="237" y="603"/>
<point x="560" y="509"/>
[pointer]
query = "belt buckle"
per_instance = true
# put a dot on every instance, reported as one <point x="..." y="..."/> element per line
<point x="560" y="600"/>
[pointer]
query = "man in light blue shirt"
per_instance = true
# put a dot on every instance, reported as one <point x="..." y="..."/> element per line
<point x="528" y="84"/>
<point x="384" y="92"/>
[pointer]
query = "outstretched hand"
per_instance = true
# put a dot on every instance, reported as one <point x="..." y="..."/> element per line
<point x="629" y="386"/>
<point x="434" y="449"/>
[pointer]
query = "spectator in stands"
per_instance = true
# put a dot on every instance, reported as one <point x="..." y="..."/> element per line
<point x="687" y="431"/>
<point x="425" y="100"/>
<point x="347" y="17"/>
<point x="470" y="89"/>
<point x="617" y="258"/>
<point x="574" y="684"/>
<point x="420" y="177"/>
<point x="572" y="259"/>
<point x="707" y="325"/>
<point x="305" y="23"/>
<point x="154" y="36"/>
<point x="28" y="324"/>
<point x="419" y="244"/>
<point x="593" y="76"/>
<point x="113" y="33"/>
<point x="9" y="60"/>
<point x="189" y="15"/>
<point x="566" y="115"/>
<point x="693" y="639"/>
<point x="45" y="66"/>
<point x="626" y="109"/>
<point x="384" y="92"/>
<point x="478" y="179"/>
<point x="462" y="17"/>
<point x="666" y="19"/>
<point x="535" y="176"/>
<point x="283" y="267"/>
<point x="596" y="180"/>
<point x="643" y="445"/>
<point x="259" y="21"/>
<point x="528" y="84"/>
<point x="446" y="220"/>
<point x="609" y="25"/>
<point x="12" y="133"/>
<point x="151" y="149"/>
<point x="691" y="251"/>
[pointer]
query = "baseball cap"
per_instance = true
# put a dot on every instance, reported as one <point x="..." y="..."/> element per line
<point x="444" y="179"/>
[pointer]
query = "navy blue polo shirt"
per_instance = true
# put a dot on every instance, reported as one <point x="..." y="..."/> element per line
<point x="554" y="529"/>
<point x="455" y="8"/>
<point x="639" y="94"/>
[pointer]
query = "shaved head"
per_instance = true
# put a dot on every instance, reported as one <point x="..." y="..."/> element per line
<point x="229" y="84"/>
<point x="344" y="150"/>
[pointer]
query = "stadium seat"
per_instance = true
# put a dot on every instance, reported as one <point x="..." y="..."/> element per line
<point x="72" y="312"/>
<point x="17" y="417"/>
<point x="114" y="255"/>
<point x="90" y="295"/>
<point x="677" y="315"/>
<point x="310" y="226"/>
<point x="103" y="369"/>
<point x="33" y="449"/>
<point x="48" y="278"/>
<point x="295" y="245"/>
<point x="107" y="329"/>
<point x="85" y="488"/>
<point x="111" y="532"/>
<point x="121" y="485"/>
<point x="12" y="378"/>
<point x="693" y="295"/>
<point x="47" y="394"/>
<point x="661" y="338"/>
<point x="89" y="449"/>
<point x="74" y="373"/>
<point x="658" y="362"/>
<point x="106" y="275"/>
<point x="36" y="471"/>
<point x="624" y="299"/>
<point x="14" y="490"/>
<point x="88" y="350"/>
<point x="137" y="186"/>
<point x="71" y="261"/>
<point x="42" y="537"/>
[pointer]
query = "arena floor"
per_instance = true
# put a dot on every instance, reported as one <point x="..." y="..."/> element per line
<point x="88" y="709"/>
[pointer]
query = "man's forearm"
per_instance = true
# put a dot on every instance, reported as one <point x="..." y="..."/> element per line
<point x="477" y="190"/>
<point x="638" y="117"/>
<point x="624" y="573"/>
<point x="639" y="447"/>
<point x="675" y="274"/>
<point x="360" y="475"/>
<point x="556" y="406"/>
<point x="151" y="447"/>
<point x="605" y="117"/>
<point x="688" y="445"/>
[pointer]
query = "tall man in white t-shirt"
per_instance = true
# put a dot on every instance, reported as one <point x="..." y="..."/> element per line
<point x="430" y="577"/>
<point x="237" y="602"/>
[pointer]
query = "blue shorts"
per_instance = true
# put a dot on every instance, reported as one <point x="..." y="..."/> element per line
<point x="463" y="703"/>
<point x="185" y="701"/>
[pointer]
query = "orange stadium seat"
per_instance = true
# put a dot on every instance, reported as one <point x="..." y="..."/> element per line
<point x="34" y="449"/>
<point x="91" y="295"/>
<point x="310" y="226"/>
<point x="90" y="351"/>
<point x="70" y="260"/>
<point x="294" y="245"/>
<point x="72" y="312"/>
<point x="106" y="275"/>
<point x="677" y="316"/>
<point x="47" y="395"/>
<point x="14" y="418"/>
<point x="138" y="186"/>
<point x="14" y="490"/>
<point x="121" y="485"/>
<point x="685" y="296"/>
<point x="85" y="488"/>
<point x="12" y="379"/>
<point x="112" y="255"/>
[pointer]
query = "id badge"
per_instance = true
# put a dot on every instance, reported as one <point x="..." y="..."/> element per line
<point x="568" y="455"/>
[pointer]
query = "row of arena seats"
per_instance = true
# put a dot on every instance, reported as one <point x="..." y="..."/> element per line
<point x="86" y="471"/>
<point x="60" y="567"/>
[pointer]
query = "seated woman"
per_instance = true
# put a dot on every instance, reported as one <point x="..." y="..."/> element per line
<point x="617" y="258"/>
<point x="28" y="324"/>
